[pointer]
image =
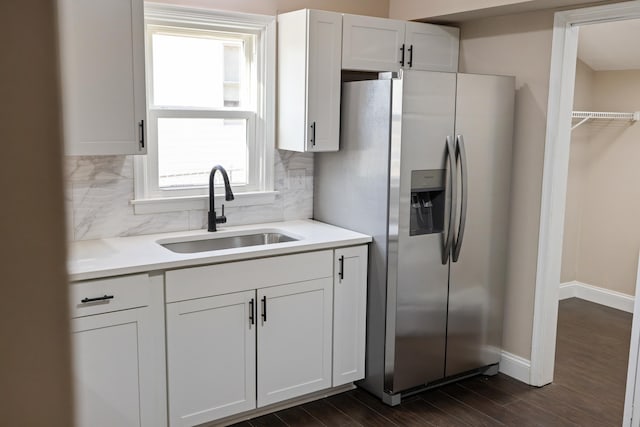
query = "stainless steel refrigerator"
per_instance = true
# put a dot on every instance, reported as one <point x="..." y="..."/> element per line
<point x="424" y="167"/>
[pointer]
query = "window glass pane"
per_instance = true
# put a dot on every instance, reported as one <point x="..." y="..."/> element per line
<point x="189" y="148"/>
<point x="232" y="55"/>
<point x="191" y="71"/>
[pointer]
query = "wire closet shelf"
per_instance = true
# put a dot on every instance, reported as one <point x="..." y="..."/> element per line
<point x="603" y="115"/>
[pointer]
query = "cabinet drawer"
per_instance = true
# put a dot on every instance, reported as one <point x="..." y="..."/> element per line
<point x="110" y="294"/>
<point x="199" y="282"/>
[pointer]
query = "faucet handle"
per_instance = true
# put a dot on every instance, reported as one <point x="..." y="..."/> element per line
<point x="221" y="219"/>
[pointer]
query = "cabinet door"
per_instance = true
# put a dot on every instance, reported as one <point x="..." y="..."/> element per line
<point x="102" y="71"/>
<point x="294" y="340"/>
<point x="349" y="314"/>
<point x="431" y="47"/>
<point x="211" y="358"/>
<point x="372" y="44"/>
<point x="323" y="80"/>
<point x="114" y="372"/>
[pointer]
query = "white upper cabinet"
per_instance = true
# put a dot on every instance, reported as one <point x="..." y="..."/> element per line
<point x="378" y="44"/>
<point x="372" y="44"/>
<point x="309" y="69"/>
<point x="431" y="47"/>
<point x="102" y="75"/>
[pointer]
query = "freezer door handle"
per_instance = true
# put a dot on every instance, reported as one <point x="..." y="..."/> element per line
<point x="464" y="178"/>
<point x="453" y="185"/>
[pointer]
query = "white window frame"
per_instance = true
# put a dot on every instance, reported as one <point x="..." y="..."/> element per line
<point x="260" y="126"/>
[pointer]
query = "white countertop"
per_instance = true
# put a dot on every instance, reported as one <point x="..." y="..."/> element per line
<point x="92" y="259"/>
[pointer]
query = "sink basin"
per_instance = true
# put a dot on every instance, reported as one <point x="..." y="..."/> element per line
<point x="218" y="243"/>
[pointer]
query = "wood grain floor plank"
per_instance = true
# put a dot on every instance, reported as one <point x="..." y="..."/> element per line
<point x="453" y="407"/>
<point x="540" y="416"/>
<point x="269" y="420"/>
<point x="487" y="406"/>
<point x="434" y="415"/>
<point x="498" y="389"/>
<point x="359" y="411"/>
<point x="402" y="415"/>
<point x="570" y="405"/>
<point x="297" y="416"/>
<point x="328" y="414"/>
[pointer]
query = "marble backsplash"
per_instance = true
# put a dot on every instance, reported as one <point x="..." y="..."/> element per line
<point x="99" y="190"/>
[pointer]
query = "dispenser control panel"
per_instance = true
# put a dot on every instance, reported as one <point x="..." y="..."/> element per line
<point x="427" y="202"/>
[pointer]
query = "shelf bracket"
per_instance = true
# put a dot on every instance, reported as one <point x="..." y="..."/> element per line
<point x="580" y="122"/>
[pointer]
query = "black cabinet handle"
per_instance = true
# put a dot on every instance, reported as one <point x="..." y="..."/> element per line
<point x="341" y="272"/>
<point x="402" y="57"/>
<point x="313" y="134"/>
<point x="410" y="63"/>
<point x="264" y="309"/>
<point x="252" y="319"/>
<point x="102" y="298"/>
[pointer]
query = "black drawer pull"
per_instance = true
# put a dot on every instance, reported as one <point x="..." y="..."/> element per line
<point x="264" y="309"/>
<point x="341" y="272"/>
<point x="103" y="298"/>
<point x="251" y="310"/>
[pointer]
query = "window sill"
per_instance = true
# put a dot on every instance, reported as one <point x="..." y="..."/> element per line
<point x="189" y="203"/>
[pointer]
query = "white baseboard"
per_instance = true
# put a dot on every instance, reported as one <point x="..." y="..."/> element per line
<point x="601" y="296"/>
<point x="516" y="367"/>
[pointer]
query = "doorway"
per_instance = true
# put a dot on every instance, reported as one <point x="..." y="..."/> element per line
<point x="555" y="177"/>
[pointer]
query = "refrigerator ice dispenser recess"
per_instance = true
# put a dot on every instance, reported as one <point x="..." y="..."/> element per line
<point x="427" y="202"/>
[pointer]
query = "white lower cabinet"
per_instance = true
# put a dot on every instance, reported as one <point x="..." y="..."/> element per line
<point x="349" y="314"/>
<point x="211" y="356"/>
<point x="212" y="349"/>
<point x="118" y="356"/>
<point x="268" y="338"/>
<point x="239" y="336"/>
<point x="294" y="340"/>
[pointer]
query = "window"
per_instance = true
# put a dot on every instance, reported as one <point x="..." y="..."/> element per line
<point x="209" y="101"/>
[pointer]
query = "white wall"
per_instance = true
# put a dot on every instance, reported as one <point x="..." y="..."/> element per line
<point x="273" y="7"/>
<point x="35" y="378"/>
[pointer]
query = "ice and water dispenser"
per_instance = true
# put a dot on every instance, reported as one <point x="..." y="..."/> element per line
<point x="427" y="201"/>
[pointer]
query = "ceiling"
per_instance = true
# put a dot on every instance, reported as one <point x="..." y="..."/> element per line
<point x="610" y="45"/>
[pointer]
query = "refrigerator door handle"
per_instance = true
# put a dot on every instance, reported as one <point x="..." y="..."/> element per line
<point x="464" y="177"/>
<point x="453" y="184"/>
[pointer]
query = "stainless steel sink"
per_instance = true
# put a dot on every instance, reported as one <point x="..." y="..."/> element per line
<point x="218" y="243"/>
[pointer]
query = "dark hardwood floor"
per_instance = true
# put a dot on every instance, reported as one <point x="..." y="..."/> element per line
<point x="591" y="364"/>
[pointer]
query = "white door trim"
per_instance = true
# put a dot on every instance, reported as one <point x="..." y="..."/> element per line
<point x="554" y="181"/>
<point x="631" y="398"/>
